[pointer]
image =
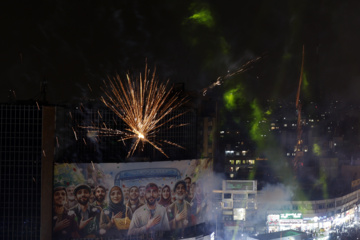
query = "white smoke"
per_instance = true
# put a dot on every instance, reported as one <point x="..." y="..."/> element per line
<point x="270" y="198"/>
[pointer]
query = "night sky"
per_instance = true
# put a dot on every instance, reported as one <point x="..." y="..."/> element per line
<point x="73" y="44"/>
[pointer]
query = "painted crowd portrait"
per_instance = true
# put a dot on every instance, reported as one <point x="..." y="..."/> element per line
<point x="120" y="200"/>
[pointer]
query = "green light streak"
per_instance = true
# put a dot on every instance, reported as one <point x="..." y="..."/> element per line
<point x="316" y="149"/>
<point x="202" y="16"/>
<point x="305" y="82"/>
<point x="324" y="184"/>
<point x="255" y="131"/>
<point x="234" y="97"/>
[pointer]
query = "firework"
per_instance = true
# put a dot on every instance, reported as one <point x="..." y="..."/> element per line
<point x="221" y="79"/>
<point x="144" y="105"/>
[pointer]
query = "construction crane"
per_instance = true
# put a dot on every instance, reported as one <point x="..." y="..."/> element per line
<point x="298" y="160"/>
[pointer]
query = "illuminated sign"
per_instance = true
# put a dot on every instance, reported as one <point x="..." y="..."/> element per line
<point x="240" y="185"/>
<point x="289" y="222"/>
<point x="291" y="216"/>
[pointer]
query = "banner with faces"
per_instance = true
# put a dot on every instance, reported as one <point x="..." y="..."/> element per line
<point x="92" y="200"/>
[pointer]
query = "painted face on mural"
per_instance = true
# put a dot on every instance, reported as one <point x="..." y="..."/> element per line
<point x="70" y="192"/>
<point x="115" y="195"/>
<point x="180" y="191"/>
<point x="151" y="195"/>
<point x="166" y="193"/>
<point x="134" y="193"/>
<point x="83" y="196"/>
<point x="60" y="198"/>
<point x="100" y="194"/>
<point x="142" y="191"/>
<point x="188" y="183"/>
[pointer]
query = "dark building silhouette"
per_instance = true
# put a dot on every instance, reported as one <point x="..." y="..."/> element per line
<point x="23" y="130"/>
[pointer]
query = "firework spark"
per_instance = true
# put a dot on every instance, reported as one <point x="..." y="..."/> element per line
<point x="144" y="105"/>
<point x="221" y="79"/>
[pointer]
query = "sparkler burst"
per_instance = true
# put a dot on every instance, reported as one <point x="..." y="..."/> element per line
<point x="144" y="105"/>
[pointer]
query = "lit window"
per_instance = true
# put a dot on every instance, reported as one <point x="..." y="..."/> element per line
<point x="232" y="175"/>
<point x="243" y="153"/>
<point x="229" y="152"/>
<point x="238" y="162"/>
<point x="231" y="161"/>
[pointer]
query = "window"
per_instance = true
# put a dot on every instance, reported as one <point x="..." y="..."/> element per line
<point x="251" y="196"/>
<point x="227" y="195"/>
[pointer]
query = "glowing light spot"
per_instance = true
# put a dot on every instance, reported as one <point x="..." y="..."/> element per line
<point x="203" y="16"/>
<point x="234" y="97"/>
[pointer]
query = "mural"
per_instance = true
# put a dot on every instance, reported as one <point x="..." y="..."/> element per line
<point x="120" y="200"/>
